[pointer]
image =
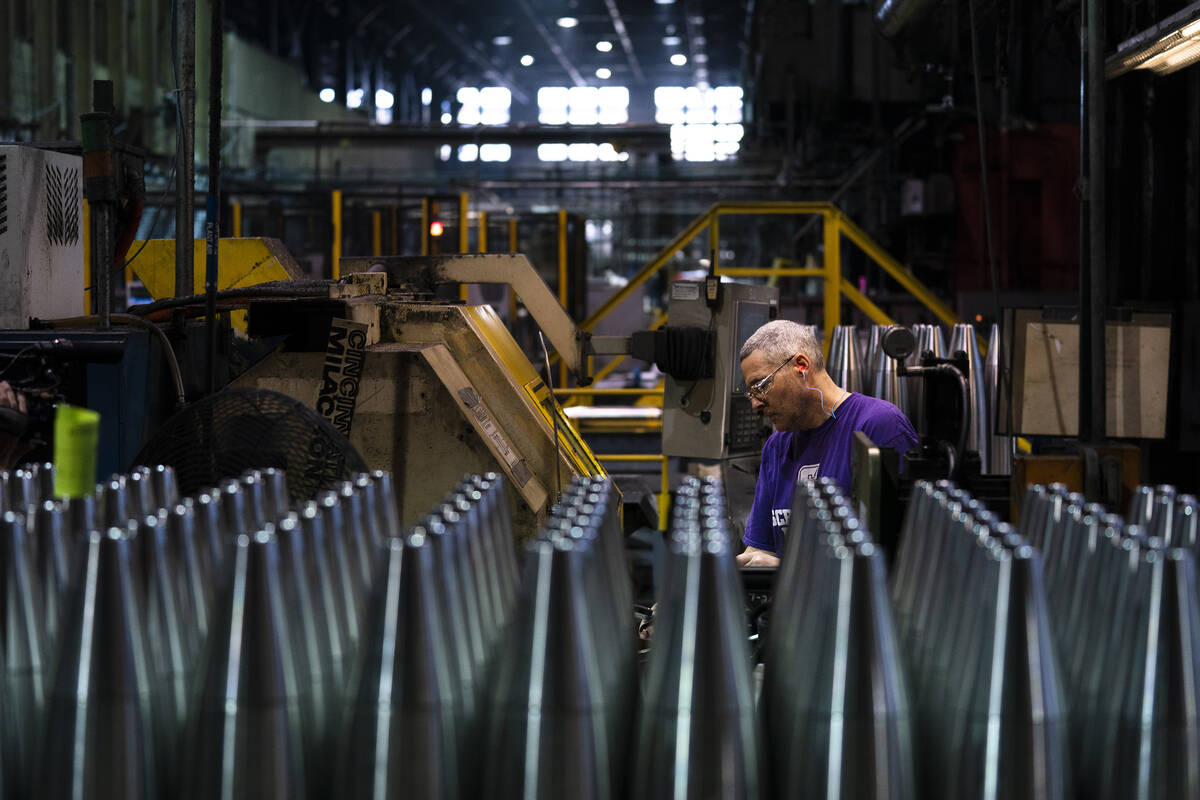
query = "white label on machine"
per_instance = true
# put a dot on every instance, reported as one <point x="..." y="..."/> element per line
<point x="520" y="471"/>
<point x="685" y="291"/>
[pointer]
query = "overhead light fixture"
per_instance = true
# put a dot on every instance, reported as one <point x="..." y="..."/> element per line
<point x="502" y="41"/>
<point x="446" y="118"/>
<point x="671" y="41"/>
<point x="604" y="73"/>
<point x="384" y="98"/>
<point x="678" y="59"/>
<point x="526" y="60"/>
<point x="1171" y="45"/>
<point x="426" y="96"/>
<point x="664" y="2"/>
<point x="567" y="22"/>
<point x="700" y="58"/>
<point x="327" y="95"/>
<point x="604" y="46"/>
<point x="354" y="98"/>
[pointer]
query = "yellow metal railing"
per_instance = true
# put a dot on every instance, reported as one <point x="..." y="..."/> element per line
<point x="836" y="227"/>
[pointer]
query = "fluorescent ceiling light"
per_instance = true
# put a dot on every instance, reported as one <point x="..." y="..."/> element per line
<point x="384" y="98"/>
<point x="526" y="60"/>
<point x="671" y="41"/>
<point x="354" y="98"/>
<point x="604" y="73"/>
<point x="567" y="22"/>
<point x="604" y="46"/>
<point x="664" y="2"/>
<point x="327" y="95"/>
<point x="678" y="59"/>
<point x="1164" y="48"/>
<point x="502" y="41"/>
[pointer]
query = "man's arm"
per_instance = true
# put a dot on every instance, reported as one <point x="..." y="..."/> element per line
<point x="753" y="557"/>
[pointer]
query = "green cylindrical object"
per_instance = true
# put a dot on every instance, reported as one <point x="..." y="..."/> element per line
<point x="76" y="437"/>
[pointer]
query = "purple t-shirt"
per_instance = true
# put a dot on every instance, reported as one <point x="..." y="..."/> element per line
<point x="825" y="451"/>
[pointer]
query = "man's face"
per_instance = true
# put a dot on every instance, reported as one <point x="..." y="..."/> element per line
<point x="782" y="400"/>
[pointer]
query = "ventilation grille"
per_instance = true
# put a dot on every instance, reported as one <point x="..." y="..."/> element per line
<point x="62" y="205"/>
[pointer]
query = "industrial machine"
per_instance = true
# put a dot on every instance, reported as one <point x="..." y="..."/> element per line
<point x="429" y="388"/>
<point x="710" y="417"/>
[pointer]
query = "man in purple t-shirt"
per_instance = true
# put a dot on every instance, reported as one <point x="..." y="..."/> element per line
<point x="814" y="421"/>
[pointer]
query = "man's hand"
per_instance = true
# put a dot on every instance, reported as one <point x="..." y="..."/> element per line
<point x="753" y="557"/>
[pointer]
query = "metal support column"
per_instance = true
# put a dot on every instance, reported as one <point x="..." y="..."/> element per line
<point x="562" y="281"/>
<point x="1092" y="264"/>
<point x="185" y="157"/>
<point x="376" y="233"/>
<point x="336" y="250"/>
<point x="833" y="275"/>
<point x="464" y="233"/>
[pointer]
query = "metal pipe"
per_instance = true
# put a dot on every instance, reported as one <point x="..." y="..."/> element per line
<point x="212" y="217"/>
<point x="1093" y="266"/>
<point x="185" y="157"/>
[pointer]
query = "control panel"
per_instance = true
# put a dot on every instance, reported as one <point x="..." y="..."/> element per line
<point x="711" y="418"/>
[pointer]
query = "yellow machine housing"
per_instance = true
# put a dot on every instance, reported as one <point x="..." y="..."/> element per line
<point x="445" y="391"/>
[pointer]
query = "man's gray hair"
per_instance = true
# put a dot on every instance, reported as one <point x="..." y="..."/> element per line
<point x="781" y="338"/>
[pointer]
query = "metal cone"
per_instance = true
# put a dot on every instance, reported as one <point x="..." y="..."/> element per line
<point x="1015" y="743"/>
<point x="888" y="385"/>
<point x="844" y="366"/>
<point x="115" y="505"/>
<point x="343" y="571"/>
<point x="258" y="513"/>
<point x="278" y="501"/>
<point x="498" y="512"/>
<point x="1000" y="451"/>
<point x="697" y="728"/>
<point x="166" y="649"/>
<point x="44" y="481"/>
<point x="1161" y="722"/>
<point x="403" y="738"/>
<point x="388" y="507"/>
<point x="374" y="523"/>
<point x="52" y="566"/>
<point x="355" y="534"/>
<point x="332" y="614"/>
<point x="143" y="500"/>
<point x="857" y="742"/>
<point x="245" y="741"/>
<point x="26" y="672"/>
<point x="1141" y="506"/>
<point x="194" y="589"/>
<point x="869" y="358"/>
<point x="166" y="488"/>
<point x="212" y="543"/>
<point x="311" y="654"/>
<point x="100" y="740"/>
<point x="546" y="736"/>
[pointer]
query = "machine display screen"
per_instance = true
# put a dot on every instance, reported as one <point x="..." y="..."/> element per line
<point x="748" y="317"/>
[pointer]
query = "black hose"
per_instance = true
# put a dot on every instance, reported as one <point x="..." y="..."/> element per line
<point x="271" y="289"/>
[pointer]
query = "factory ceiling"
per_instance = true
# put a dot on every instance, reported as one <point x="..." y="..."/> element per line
<point x="520" y="44"/>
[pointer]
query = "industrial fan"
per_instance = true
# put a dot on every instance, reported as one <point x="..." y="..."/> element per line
<point x="238" y="429"/>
